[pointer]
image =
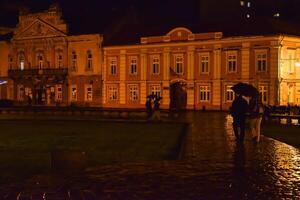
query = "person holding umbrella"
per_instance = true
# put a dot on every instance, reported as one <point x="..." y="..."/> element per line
<point x="238" y="111"/>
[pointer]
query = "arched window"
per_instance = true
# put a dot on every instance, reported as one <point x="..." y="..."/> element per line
<point x="73" y="61"/>
<point x="40" y="60"/>
<point x="89" y="65"/>
<point x="21" y="61"/>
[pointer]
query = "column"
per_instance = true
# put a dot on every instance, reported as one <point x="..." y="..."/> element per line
<point x="245" y="71"/>
<point x="104" y="70"/>
<point x="190" y="77"/>
<point x="166" y="78"/>
<point x="216" y="85"/>
<point x="274" y="67"/>
<point x="143" y="85"/>
<point x="122" y="70"/>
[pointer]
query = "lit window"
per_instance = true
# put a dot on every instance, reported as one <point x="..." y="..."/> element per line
<point x="21" y="92"/>
<point x="276" y="15"/>
<point x="133" y="66"/>
<point x="74" y="61"/>
<point x="204" y="64"/>
<point x="58" y="92"/>
<point x="112" y="92"/>
<point x="261" y="62"/>
<point x="178" y="64"/>
<point x="74" y="93"/>
<point x="229" y="94"/>
<point x="89" y="65"/>
<point x="204" y="93"/>
<point x="21" y="61"/>
<point x="248" y="4"/>
<point x="155" y="90"/>
<point x="248" y="16"/>
<point x="113" y="66"/>
<point x="263" y="93"/>
<point x="155" y="65"/>
<point x="88" y="93"/>
<point x="133" y="92"/>
<point x="231" y="62"/>
<point x="242" y="3"/>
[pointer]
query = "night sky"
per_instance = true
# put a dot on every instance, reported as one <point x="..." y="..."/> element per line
<point x="107" y="16"/>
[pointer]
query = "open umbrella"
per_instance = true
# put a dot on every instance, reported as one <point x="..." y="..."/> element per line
<point x="245" y="89"/>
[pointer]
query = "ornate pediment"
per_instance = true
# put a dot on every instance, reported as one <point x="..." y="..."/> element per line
<point x="38" y="29"/>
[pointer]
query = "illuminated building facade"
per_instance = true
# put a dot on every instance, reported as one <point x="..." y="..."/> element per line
<point x="188" y="70"/>
<point x="46" y="66"/>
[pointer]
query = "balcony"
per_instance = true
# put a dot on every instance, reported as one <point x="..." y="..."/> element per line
<point x="17" y="73"/>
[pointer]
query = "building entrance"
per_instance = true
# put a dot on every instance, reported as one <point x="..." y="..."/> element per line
<point x="178" y="96"/>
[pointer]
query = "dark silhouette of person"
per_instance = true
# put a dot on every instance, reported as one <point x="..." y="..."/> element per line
<point x="149" y="109"/>
<point x="238" y="111"/>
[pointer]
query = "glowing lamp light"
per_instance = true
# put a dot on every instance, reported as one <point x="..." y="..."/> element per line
<point x="3" y="82"/>
<point x="297" y="64"/>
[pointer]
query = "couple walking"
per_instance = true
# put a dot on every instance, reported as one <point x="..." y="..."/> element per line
<point x="152" y="107"/>
<point x="241" y="112"/>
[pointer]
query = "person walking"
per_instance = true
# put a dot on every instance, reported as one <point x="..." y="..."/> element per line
<point x="256" y="111"/>
<point x="149" y="109"/>
<point x="156" y="110"/>
<point x="238" y="111"/>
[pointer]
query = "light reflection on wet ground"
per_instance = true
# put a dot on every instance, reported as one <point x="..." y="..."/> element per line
<point x="213" y="167"/>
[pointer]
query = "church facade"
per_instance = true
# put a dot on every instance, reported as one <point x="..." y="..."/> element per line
<point x="42" y="64"/>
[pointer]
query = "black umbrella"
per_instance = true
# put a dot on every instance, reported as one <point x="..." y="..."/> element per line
<point x="245" y="89"/>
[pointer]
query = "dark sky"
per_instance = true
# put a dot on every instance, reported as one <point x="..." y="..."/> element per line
<point x="103" y="15"/>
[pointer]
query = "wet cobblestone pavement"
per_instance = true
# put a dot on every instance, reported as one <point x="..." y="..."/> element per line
<point x="213" y="166"/>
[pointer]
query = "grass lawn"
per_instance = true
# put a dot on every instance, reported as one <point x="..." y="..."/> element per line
<point x="25" y="145"/>
<point x="289" y="134"/>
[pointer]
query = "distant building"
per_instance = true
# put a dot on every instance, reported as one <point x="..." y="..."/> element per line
<point x="188" y="70"/>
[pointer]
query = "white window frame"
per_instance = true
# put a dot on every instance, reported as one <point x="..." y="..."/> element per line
<point x="155" y="89"/>
<point x="155" y="64"/>
<point x="231" y="61"/>
<point x="112" y="93"/>
<point x="113" y="66"/>
<point x="133" y="92"/>
<point x="229" y="94"/>
<point x="178" y="63"/>
<point x="58" y="93"/>
<point x="261" y="60"/>
<point x="204" y="63"/>
<point x="291" y="53"/>
<point x="88" y="91"/>
<point x="89" y="60"/>
<point x="21" y="61"/>
<point x="204" y="93"/>
<point x="74" y="92"/>
<point x="263" y="93"/>
<point x="133" y="65"/>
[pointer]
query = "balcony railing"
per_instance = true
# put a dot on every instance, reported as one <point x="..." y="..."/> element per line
<point x="35" y="72"/>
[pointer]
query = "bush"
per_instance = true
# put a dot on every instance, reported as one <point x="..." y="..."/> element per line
<point x="6" y="103"/>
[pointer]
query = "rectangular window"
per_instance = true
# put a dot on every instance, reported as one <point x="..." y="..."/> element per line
<point x="263" y="93"/>
<point x="21" y="92"/>
<point x="229" y="94"/>
<point x="133" y="66"/>
<point x="155" y="64"/>
<point x="58" y="93"/>
<point x="155" y="90"/>
<point x="291" y="61"/>
<point x="231" y="62"/>
<point x="88" y="93"/>
<point x="133" y="92"/>
<point x="178" y="64"/>
<point x="204" y="64"/>
<point x="89" y="64"/>
<point x="74" y="61"/>
<point x="204" y="93"/>
<point x="261" y="61"/>
<point x="112" y="93"/>
<point x="74" y="93"/>
<point x="113" y="66"/>
<point x="59" y="61"/>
